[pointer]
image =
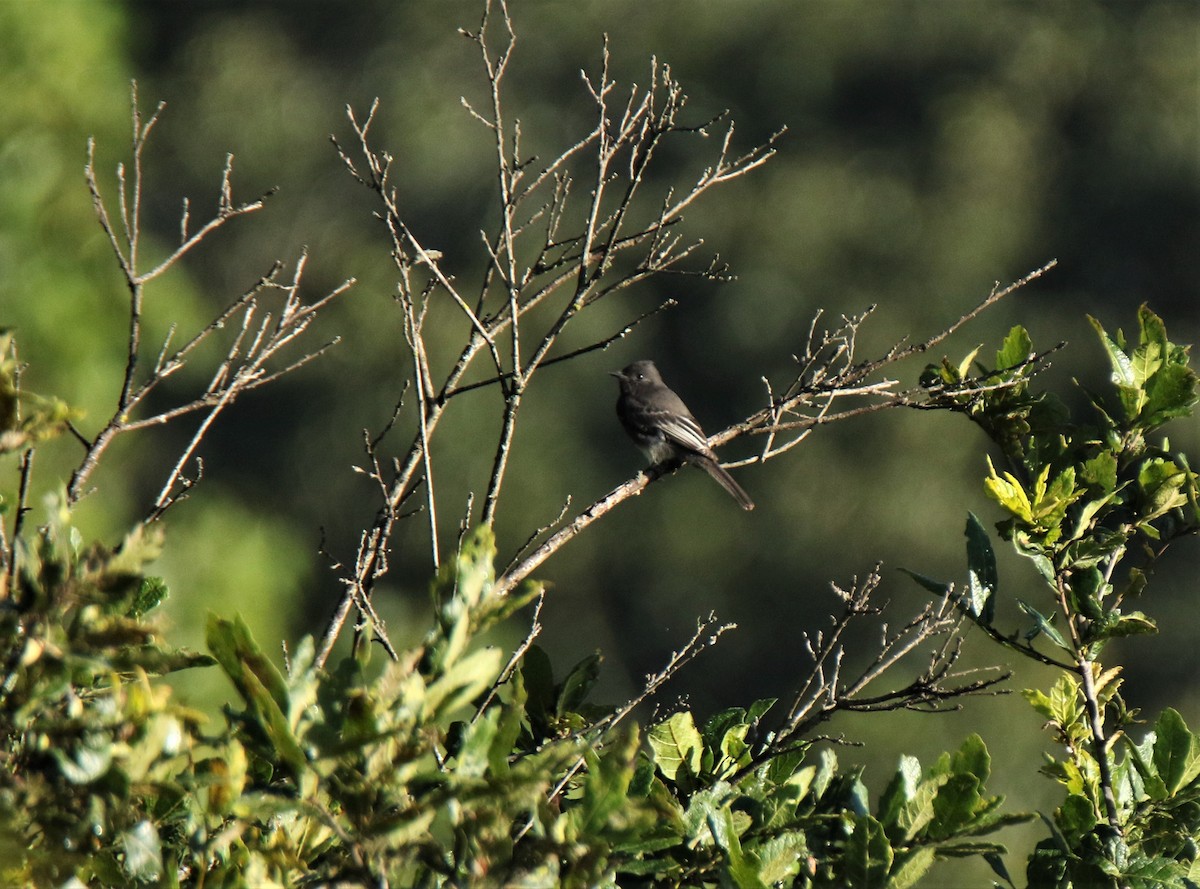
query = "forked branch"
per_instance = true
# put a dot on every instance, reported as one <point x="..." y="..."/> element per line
<point x="547" y="261"/>
<point x="258" y="326"/>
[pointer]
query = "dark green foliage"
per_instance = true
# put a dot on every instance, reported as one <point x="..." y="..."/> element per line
<point x="446" y="767"/>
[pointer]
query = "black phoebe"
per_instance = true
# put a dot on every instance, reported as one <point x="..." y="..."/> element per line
<point x="661" y="425"/>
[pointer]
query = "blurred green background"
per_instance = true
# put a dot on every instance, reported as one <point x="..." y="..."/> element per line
<point x="932" y="149"/>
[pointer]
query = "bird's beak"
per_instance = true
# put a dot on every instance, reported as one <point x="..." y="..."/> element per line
<point x="617" y="374"/>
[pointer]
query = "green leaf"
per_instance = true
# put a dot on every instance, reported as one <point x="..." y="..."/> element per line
<point x="404" y="828"/>
<point x="973" y="758"/>
<point x="1176" y="751"/>
<point x="937" y="587"/>
<point x="1171" y="388"/>
<point x="1051" y="506"/>
<point x="606" y="784"/>
<point x="780" y="856"/>
<point x="964" y="366"/>
<point x="260" y="684"/>
<point x="741" y="868"/>
<point x="464" y="680"/>
<point x="273" y="722"/>
<point x="1152" y="872"/>
<point x="856" y="798"/>
<point x="474" y="752"/>
<point x="503" y="607"/>
<point x="152" y="592"/>
<point x="955" y="805"/>
<point x="826" y="772"/>
<point x="159" y="661"/>
<point x="799" y="781"/>
<point x="1076" y="816"/>
<point x="1100" y="471"/>
<point x="468" y="577"/>
<point x="141" y="546"/>
<point x="1162" y="484"/>
<point x="1133" y="624"/>
<point x="233" y="645"/>
<point x="702" y="806"/>
<point x="735" y="752"/>
<point x="1086" y="590"/>
<point x="512" y="714"/>
<point x="1122" y="368"/>
<point x="1008" y="492"/>
<point x="759" y="709"/>
<point x="1015" y="350"/>
<point x="677" y="745"/>
<point x="982" y="578"/>
<point x="868" y="855"/>
<point x="1043" y="625"/>
<point x="537" y="676"/>
<point x="997" y="865"/>
<point x="1145" y="363"/>
<point x="725" y="732"/>
<point x="900" y="790"/>
<point x="578" y="683"/>
<point x="1061" y="705"/>
<point x="906" y="806"/>
<point x="1151" y="329"/>
<point x="911" y="866"/>
<point x="462" y="595"/>
<point x="1170" y="394"/>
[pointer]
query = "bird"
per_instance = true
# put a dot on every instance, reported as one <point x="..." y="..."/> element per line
<point x="661" y="425"/>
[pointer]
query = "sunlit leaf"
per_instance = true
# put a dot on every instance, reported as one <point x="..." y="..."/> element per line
<point x="1016" y="348"/>
<point x="1176" y="751"/>
<point x="677" y="745"/>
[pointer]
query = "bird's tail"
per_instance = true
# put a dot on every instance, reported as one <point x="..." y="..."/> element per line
<point x="724" y="479"/>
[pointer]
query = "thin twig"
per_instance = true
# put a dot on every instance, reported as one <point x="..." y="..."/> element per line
<point x="251" y="356"/>
<point x="708" y="632"/>
<point x="11" y="547"/>
<point x="582" y="265"/>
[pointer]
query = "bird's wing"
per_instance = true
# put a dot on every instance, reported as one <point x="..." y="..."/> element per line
<point x="683" y="430"/>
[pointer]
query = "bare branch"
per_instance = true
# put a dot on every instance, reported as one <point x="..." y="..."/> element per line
<point x="825" y="691"/>
<point x="531" y="257"/>
<point x="9" y="548"/>
<point x="708" y="632"/>
<point x="252" y="355"/>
